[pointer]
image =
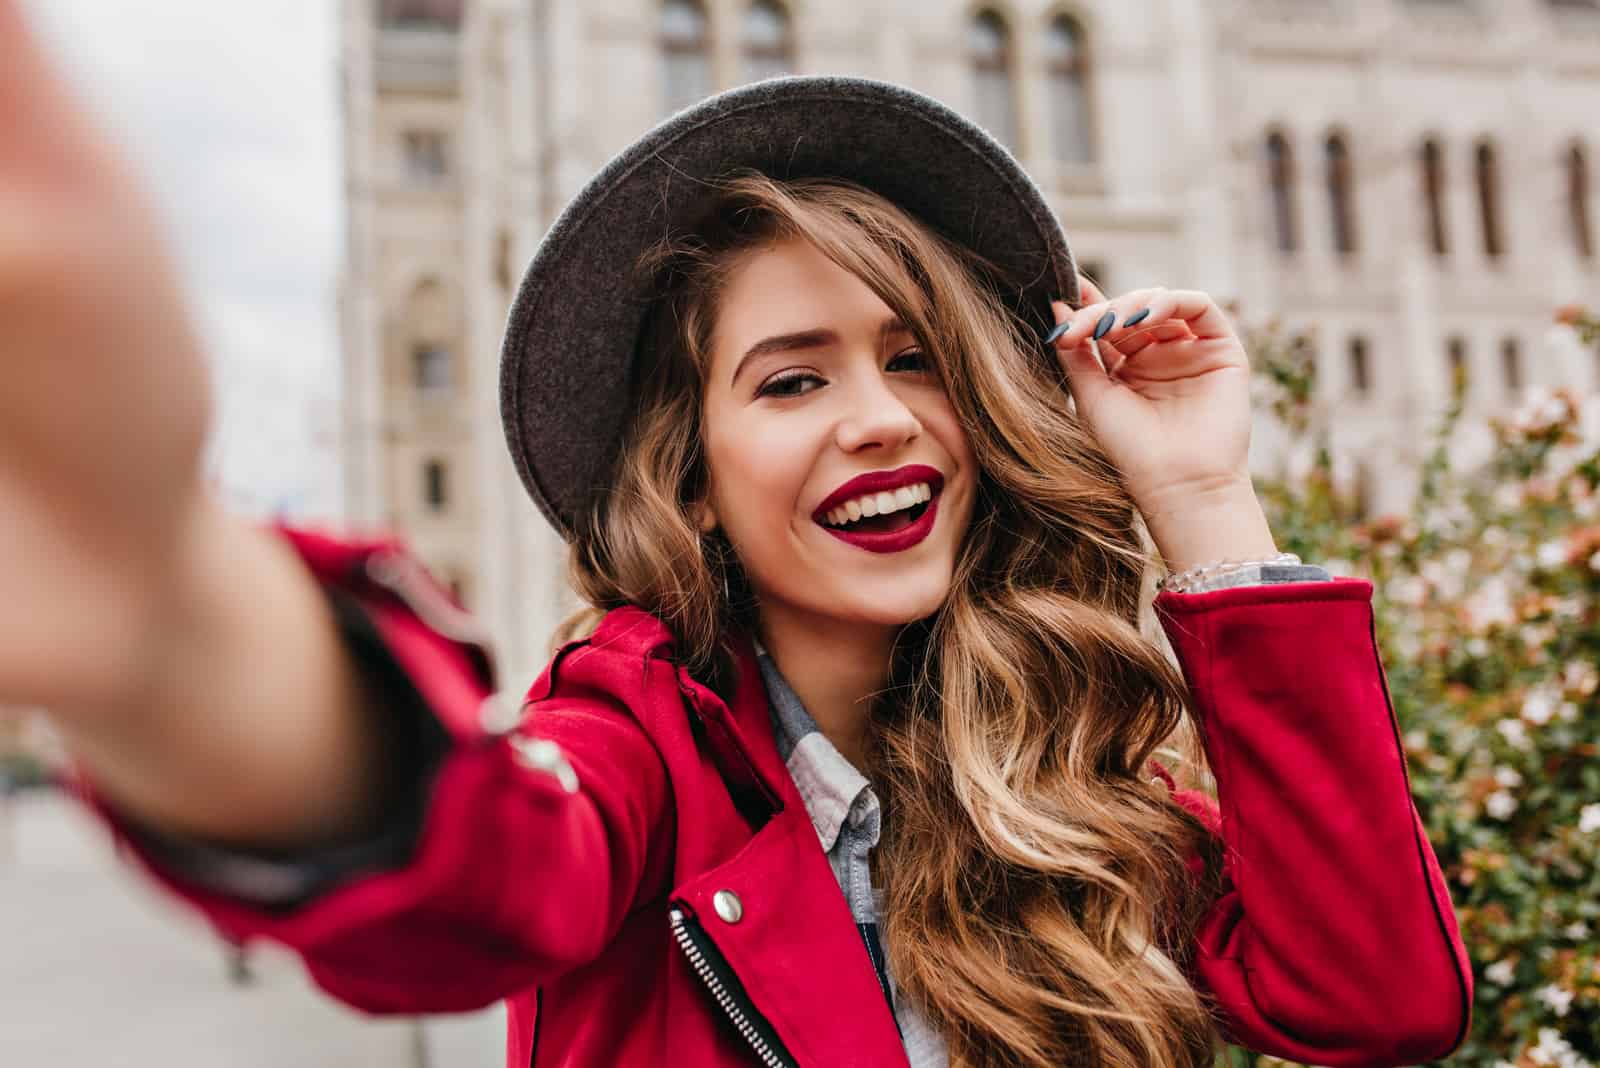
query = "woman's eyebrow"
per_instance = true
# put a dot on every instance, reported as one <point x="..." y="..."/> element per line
<point x="810" y="339"/>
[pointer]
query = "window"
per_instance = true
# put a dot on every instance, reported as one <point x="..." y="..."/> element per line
<point x="431" y="369"/>
<point x="1460" y="374"/>
<point x="1433" y="196"/>
<point x="685" y="53"/>
<point x="1511" y="364"/>
<point x="1340" y="209"/>
<point x="1280" y="180"/>
<point x="768" y="52"/>
<point x="989" y="50"/>
<point x="420" y="14"/>
<point x="1578" y="202"/>
<point x="1489" y="200"/>
<point x="1360" y="369"/>
<point x="425" y="156"/>
<point x="1067" y="74"/>
<point x="435" y="485"/>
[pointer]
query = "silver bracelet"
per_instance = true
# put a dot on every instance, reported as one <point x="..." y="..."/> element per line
<point x="1186" y="581"/>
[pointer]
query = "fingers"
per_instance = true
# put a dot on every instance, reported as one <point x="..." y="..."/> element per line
<point x="1142" y="308"/>
<point x="1131" y="344"/>
<point x="1088" y="291"/>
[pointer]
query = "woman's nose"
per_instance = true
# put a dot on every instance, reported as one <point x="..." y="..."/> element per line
<point x="877" y="416"/>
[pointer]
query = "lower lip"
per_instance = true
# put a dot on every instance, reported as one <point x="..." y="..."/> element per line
<point x="893" y="541"/>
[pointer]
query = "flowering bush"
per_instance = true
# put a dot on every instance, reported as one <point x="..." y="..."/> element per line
<point x="1488" y="608"/>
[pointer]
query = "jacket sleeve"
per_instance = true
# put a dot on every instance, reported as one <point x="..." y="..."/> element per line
<point x="433" y="915"/>
<point x="1334" y="941"/>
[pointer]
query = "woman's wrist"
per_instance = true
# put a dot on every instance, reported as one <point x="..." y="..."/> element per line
<point x="1194" y="526"/>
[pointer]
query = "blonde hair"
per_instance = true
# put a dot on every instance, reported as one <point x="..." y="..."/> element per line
<point x="1041" y="891"/>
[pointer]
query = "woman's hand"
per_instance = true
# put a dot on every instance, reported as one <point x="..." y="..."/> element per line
<point x="1166" y="390"/>
<point x="104" y="405"/>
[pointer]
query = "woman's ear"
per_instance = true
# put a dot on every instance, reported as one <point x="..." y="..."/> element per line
<point x="704" y="516"/>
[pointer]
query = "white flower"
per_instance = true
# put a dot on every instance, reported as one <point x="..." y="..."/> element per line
<point x="1552" y="1049"/>
<point x="1501" y="972"/>
<point x="1589" y="819"/>
<point x="1477" y="647"/>
<point x="1594" y="561"/>
<point x="1552" y="554"/>
<point x="1559" y="1000"/>
<point x="1576" y="931"/>
<point x="1580" y="675"/>
<point x="1567" y="712"/>
<point x="1514" y="731"/>
<point x="1510" y="778"/>
<point x="1539" y="706"/>
<point x="1500" y="805"/>
<point x="1491" y="605"/>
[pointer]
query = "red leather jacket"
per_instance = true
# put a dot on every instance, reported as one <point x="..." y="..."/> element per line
<point x="580" y="881"/>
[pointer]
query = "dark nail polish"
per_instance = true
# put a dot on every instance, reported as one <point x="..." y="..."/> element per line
<point x="1138" y="318"/>
<point x="1103" y="327"/>
<point x="1055" y="334"/>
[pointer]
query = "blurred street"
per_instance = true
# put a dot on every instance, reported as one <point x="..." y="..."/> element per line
<point x="97" y="968"/>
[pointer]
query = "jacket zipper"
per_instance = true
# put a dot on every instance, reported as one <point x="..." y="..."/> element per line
<point x="713" y="970"/>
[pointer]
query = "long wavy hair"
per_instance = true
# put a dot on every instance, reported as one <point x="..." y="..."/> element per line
<point x="1041" y="890"/>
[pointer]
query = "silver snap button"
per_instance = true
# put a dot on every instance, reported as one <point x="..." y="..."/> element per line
<point x="541" y="754"/>
<point x="728" y="907"/>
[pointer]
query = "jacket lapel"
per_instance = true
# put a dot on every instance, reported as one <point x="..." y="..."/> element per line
<point x="794" y="946"/>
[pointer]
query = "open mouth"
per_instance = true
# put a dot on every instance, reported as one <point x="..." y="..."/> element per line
<point x="899" y="519"/>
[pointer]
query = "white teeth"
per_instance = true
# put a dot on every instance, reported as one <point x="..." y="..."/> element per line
<point x="879" y="504"/>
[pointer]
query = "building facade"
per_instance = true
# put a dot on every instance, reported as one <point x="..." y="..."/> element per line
<point x="1409" y="184"/>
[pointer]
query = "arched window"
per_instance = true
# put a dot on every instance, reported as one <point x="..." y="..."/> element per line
<point x="1360" y="367"/>
<point x="430" y="369"/>
<point x="1511" y="364"/>
<point x="436" y="485"/>
<point x="1341" y="195"/>
<point x="1578" y="202"/>
<point x="1066" y="56"/>
<point x="989" y="50"/>
<point x="420" y="14"/>
<point x="1488" y="166"/>
<point x="1280" y="181"/>
<point x="685" y="53"/>
<point x="1460" y="373"/>
<point x="1433" y="196"/>
<point x="766" y="41"/>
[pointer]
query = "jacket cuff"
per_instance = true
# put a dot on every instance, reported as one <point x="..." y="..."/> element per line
<point x="372" y="589"/>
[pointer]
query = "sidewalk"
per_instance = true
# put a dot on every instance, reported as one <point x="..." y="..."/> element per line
<point x="98" y="969"/>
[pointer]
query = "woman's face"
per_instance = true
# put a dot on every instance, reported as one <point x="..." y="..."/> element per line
<point x="813" y="384"/>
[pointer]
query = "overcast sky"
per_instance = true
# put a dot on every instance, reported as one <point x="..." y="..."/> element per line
<point x="230" y="110"/>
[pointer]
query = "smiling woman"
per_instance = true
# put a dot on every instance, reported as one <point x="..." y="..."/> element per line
<point x="806" y="785"/>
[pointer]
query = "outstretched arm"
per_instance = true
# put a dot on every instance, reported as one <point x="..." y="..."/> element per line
<point x="189" y="658"/>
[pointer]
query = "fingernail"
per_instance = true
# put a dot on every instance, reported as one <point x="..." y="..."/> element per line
<point x="1060" y="328"/>
<point x="1138" y="317"/>
<point x="1103" y="327"/>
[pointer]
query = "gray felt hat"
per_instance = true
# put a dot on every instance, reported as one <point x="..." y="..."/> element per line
<point x="566" y="365"/>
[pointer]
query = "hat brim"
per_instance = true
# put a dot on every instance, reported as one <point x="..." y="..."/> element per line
<point x="570" y="339"/>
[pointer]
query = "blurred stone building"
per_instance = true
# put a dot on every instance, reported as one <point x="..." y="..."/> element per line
<point x="1408" y="183"/>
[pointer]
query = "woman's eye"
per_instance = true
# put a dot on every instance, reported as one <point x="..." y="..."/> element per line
<point x="787" y="385"/>
<point x="919" y="360"/>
